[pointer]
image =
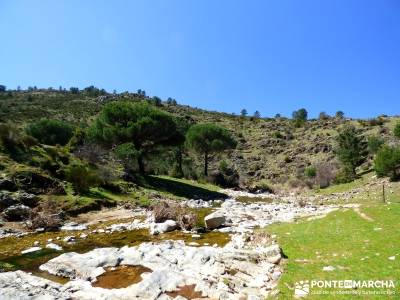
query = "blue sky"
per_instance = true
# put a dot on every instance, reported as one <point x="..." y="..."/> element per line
<point x="271" y="56"/>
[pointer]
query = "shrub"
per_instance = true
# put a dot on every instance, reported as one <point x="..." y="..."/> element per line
<point x="15" y="143"/>
<point x="51" y="132"/>
<point x="163" y="211"/>
<point x="374" y="143"/>
<point x="310" y="172"/>
<point x="91" y="152"/>
<point x="262" y="186"/>
<point x="339" y="114"/>
<point x="226" y="176"/>
<point x="396" y="130"/>
<point x="47" y="215"/>
<point x="323" y="116"/>
<point x="387" y="162"/>
<point x="300" y="114"/>
<point x="278" y="135"/>
<point x="81" y="176"/>
<point x="325" y="174"/>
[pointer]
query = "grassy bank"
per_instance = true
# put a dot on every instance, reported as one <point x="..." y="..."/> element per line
<point x="358" y="249"/>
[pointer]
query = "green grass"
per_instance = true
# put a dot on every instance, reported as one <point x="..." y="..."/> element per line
<point x="344" y="187"/>
<point x="346" y="241"/>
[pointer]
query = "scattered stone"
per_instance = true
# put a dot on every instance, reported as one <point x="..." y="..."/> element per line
<point x="54" y="246"/>
<point x="69" y="239"/>
<point x="328" y="268"/>
<point x="32" y="249"/>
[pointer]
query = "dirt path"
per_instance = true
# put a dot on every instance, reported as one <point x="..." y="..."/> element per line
<point x="363" y="215"/>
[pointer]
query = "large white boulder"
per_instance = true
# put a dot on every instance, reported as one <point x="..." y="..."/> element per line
<point x="214" y="220"/>
<point x="168" y="225"/>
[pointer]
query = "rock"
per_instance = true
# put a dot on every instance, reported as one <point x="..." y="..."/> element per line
<point x="69" y="238"/>
<point x="27" y="199"/>
<point x="54" y="246"/>
<point x="17" y="212"/>
<point x="36" y="243"/>
<point x="199" y="229"/>
<point x="173" y="265"/>
<point x="328" y="268"/>
<point x="21" y="285"/>
<point x="196" y="236"/>
<point x="73" y="226"/>
<point x="392" y="257"/>
<point x="168" y="225"/>
<point x="32" y="249"/>
<point x="7" y="199"/>
<point x="214" y="220"/>
<point x="7" y="184"/>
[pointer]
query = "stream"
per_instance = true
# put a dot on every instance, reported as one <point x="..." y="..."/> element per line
<point x="117" y="258"/>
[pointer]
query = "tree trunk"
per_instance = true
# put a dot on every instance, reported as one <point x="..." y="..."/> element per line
<point x="205" y="163"/>
<point x="140" y="164"/>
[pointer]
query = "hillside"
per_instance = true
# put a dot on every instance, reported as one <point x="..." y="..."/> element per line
<point x="270" y="150"/>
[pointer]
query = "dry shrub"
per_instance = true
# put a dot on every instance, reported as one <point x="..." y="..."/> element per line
<point x="326" y="173"/>
<point x="171" y="211"/>
<point x="47" y="215"/>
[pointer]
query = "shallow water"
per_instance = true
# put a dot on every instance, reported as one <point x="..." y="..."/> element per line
<point x="187" y="291"/>
<point x="11" y="258"/>
<point x="120" y="277"/>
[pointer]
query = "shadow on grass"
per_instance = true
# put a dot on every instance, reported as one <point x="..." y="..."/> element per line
<point x="181" y="189"/>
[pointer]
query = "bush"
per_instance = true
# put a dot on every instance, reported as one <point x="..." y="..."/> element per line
<point x="278" y="135"/>
<point x="51" y="132"/>
<point x="387" y="162"/>
<point x="81" y="177"/>
<point x="170" y="211"/>
<point x="396" y="130"/>
<point x="310" y="172"/>
<point x="374" y="143"/>
<point x="325" y="174"/>
<point x="14" y="142"/>
<point x="262" y="186"/>
<point x="225" y="176"/>
<point x="47" y="215"/>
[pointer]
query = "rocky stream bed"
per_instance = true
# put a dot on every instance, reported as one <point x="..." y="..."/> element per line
<point x="136" y="258"/>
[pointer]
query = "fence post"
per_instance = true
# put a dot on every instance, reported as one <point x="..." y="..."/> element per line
<point x="383" y="193"/>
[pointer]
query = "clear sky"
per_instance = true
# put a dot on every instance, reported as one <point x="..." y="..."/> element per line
<point x="271" y="56"/>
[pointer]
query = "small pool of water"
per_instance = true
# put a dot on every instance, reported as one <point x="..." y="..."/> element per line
<point x="187" y="291"/>
<point x="120" y="277"/>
